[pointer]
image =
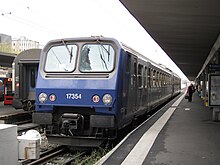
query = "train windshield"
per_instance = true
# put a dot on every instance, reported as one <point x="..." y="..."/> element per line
<point x="61" y="58"/>
<point x="97" y="58"/>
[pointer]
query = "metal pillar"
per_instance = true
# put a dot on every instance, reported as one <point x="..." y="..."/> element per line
<point x="203" y="85"/>
<point x="216" y="114"/>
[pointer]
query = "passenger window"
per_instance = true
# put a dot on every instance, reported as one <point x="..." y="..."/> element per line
<point x="135" y="69"/>
<point x="164" y="83"/>
<point x="149" y="78"/>
<point x="145" y="77"/>
<point x="140" y="76"/>
<point x="154" y="78"/>
<point x="128" y="63"/>
<point x="160" y="79"/>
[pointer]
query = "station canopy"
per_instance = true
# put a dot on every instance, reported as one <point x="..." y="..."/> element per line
<point x="187" y="30"/>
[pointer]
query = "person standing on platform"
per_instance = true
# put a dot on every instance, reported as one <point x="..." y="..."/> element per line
<point x="199" y="90"/>
<point x="190" y="92"/>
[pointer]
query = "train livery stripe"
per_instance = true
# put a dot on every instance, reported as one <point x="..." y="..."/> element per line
<point x="141" y="149"/>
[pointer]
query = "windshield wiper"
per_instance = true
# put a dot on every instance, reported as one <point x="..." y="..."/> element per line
<point x="70" y="52"/>
<point x="104" y="48"/>
<point x="103" y="61"/>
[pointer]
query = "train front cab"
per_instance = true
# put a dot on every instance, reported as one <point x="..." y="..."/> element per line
<point x="78" y="106"/>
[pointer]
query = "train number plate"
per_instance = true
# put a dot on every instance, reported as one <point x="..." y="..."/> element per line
<point x="74" y="96"/>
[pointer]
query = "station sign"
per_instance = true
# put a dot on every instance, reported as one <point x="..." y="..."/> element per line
<point x="214" y="90"/>
<point x="214" y="68"/>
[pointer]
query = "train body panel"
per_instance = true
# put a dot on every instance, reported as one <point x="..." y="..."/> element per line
<point x="77" y="93"/>
<point x="90" y="88"/>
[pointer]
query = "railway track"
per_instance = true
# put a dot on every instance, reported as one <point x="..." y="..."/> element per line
<point x="45" y="156"/>
<point x="61" y="155"/>
<point x="53" y="155"/>
<point x="22" y="127"/>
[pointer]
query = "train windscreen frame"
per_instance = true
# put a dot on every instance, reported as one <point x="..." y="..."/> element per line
<point x="61" y="58"/>
<point x="97" y="58"/>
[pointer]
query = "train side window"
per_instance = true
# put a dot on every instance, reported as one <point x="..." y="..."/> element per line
<point x="145" y="77"/>
<point x="158" y="76"/>
<point x="149" y="78"/>
<point x="140" y="76"/>
<point x="166" y="79"/>
<point x="164" y="83"/>
<point x="128" y="63"/>
<point x="154" y="78"/>
<point x="151" y="75"/>
<point x="33" y="78"/>
<point x="160" y="79"/>
<point x="134" y="75"/>
<point x="135" y="68"/>
<point x="169" y="80"/>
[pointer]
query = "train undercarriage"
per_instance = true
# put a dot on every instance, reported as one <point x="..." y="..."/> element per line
<point x="75" y="129"/>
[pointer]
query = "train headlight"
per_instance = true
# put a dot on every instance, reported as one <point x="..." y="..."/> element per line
<point x="52" y="97"/>
<point x="95" y="99"/>
<point x="107" y="99"/>
<point x="42" y="97"/>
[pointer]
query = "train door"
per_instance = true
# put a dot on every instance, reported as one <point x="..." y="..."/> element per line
<point x="132" y="88"/>
<point x="27" y="78"/>
<point x="8" y="94"/>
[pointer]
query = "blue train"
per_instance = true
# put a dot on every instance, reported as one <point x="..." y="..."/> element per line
<point x="90" y="88"/>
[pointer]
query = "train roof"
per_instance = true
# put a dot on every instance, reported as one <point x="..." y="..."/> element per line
<point x="28" y="55"/>
<point x="152" y="63"/>
<point x="121" y="44"/>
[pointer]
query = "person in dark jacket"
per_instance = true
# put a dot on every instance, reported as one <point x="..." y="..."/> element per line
<point x="190" y="92"/>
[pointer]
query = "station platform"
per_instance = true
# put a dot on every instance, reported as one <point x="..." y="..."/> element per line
<point x="10" y="115"/>
<point x="182" y="133"/>
<point x="8" y="109"/>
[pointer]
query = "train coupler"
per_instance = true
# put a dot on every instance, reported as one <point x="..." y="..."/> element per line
<point x="72" y="124"/>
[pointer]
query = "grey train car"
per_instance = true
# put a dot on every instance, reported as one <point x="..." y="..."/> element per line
<point x="24" y="74"/>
